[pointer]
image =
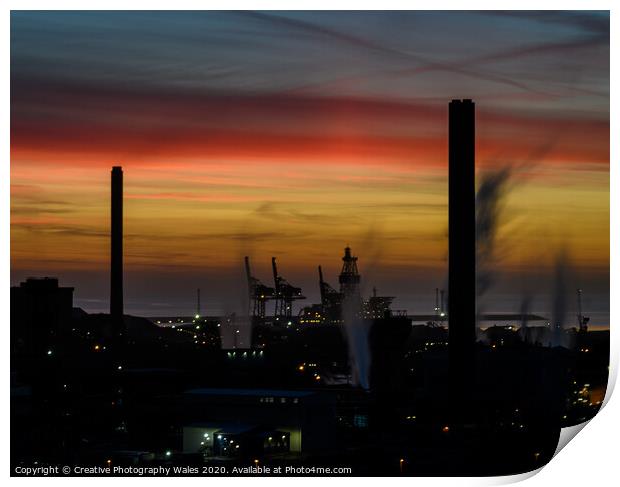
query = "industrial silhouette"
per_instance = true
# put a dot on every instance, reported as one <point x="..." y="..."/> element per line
<point x="41" y="311"/>
<point x="116" y="245"/>
<point x="284" y="294"/>
<point x="347" y="381"/>
<point x="462" y="247"/>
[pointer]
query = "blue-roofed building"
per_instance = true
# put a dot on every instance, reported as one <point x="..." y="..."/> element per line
<point x="256" y="422"/>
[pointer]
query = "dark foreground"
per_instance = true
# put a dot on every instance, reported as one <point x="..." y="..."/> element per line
<point x="152" y="401"/>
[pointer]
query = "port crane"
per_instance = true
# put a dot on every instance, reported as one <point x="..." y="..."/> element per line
<point x="284" y="295"/>
<point x="258" y="293"/>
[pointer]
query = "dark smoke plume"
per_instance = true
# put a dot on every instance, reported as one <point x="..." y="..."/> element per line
<point x="489" y="200"/>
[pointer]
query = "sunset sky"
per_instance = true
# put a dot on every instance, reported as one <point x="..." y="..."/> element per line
<point x="293" y="134"/>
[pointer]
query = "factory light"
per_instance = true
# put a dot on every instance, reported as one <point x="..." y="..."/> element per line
<point x="168" y="453"/>
<point x="49" y="352"/>
<point x="197" y="316"/>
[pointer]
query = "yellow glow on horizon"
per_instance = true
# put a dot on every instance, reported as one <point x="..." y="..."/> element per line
<point x="181" y="216"/>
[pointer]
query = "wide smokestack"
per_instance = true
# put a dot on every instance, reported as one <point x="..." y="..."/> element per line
<point x="116" y="261"/>
<point x="462" y="243"/>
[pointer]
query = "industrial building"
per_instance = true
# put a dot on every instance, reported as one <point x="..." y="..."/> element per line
<point x="256" y="422"/>
<point x="329" y="311"/>
<point x="41" y="313"/>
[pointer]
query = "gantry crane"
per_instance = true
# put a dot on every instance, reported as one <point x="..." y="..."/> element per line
<point x="258" y="293"/>
<point x="284" y="295"/>
<point x="331" y="300"/>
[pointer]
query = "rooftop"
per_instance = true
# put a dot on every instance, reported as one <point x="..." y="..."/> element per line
<point x="249" y="392"/>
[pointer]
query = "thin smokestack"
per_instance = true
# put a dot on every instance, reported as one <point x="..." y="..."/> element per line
<point x="116" y="261"/>
<point x="462" y="243"/>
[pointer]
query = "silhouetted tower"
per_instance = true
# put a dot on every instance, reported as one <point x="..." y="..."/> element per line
<point x="581" y="319"/>
<point x="248" y="275"/>
<point x="116" y="255"/>
<point x="198" y="303"/>
<point x="322" y="288"/>
<point x="462" y="244"/>
<point x="258" y="294"/>
<point x="285" y="294"/>
<point x="349" y="277"/>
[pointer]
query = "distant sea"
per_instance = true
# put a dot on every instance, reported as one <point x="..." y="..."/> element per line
<point x="598" y="320"/>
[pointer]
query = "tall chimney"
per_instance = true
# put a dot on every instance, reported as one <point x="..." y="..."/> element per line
<point x="116" y="262"/>
<point x="462" y="245"/>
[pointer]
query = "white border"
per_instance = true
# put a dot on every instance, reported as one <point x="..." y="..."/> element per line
<point x="592" y="459"/>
